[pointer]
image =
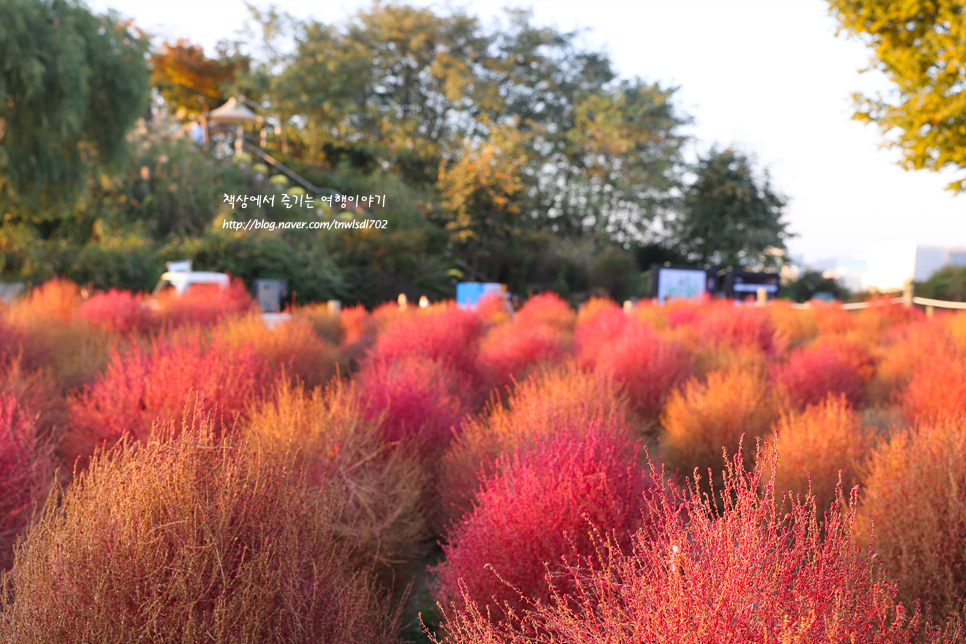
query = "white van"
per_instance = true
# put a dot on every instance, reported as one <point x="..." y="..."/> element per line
<point x="179" y="278"/>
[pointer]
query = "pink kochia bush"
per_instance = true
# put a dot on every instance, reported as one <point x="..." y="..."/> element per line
<point x="536" y="514"/>
<point x="741" y="567"/>
<point x="724" y="324"/>
<point x="647" y="367"/>
<point x="812" y="373"/>
<point x="547" y="309"/>
<point x="26" y="469"/>
<point x="118" y="311"/>
<point x="176" y="375"/>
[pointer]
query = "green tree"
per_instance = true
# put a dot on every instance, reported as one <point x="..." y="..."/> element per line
<point x="729" y="216"/>
<point x="809" y="283"/>
<point x="395" y="77"/>
<point x="948" y="283"/>
<point x="605" y="152"/>
<point x="421" y="90"/>
<point x="71" y="85"/>
<point x="920" y="45"/>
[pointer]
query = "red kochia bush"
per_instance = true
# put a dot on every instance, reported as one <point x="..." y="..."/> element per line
<point x="537" y="513"/>
<point x="418" y="401"/>
<point x="493" y="309"/>
<point x="190" y="540"/>
<point x="725" y="324"/>
<point x="564" y="401"/>
<point x="603" y="326"/>
<point x="812" y="373"/>
<point x="118" y="311"/>
<point x="26" y="470"/>
<point x="204" y="305"/>
<point x="739" y="570"/>
<point x="448" y="335"/>
<point x="514" y="350"/>
<point x="548" y="309"/>
<point x="143" y="385"/>
<point x="646" y="367"/>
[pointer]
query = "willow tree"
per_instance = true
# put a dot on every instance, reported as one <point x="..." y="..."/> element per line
<point x="71" y="85"/>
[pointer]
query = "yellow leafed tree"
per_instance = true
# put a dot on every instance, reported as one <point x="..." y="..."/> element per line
<point x="920" y="45"/>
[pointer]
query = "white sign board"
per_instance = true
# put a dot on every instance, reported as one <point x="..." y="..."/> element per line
<point x="680" y="283"/>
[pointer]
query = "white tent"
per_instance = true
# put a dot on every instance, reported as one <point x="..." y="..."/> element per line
<point x="232" y="112"/>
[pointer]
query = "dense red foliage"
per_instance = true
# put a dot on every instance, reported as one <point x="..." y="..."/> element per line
<point x="174" y="377"/>
<point x="812" y="373"/>
<point x="725" y="324"/>
<point x="549" y="309"/>
<point x="536" y="514"/>
<point x="742" y="568"/>
<point x="937" y="390"/>
<point x="448" y="335"/>
<point x="26" y="469"/>
<point x="552" y="403"/>
<point x="493" y="309"/>
<point x="419" y="402"/>
<point x="514" y="350"/>
<point x="118" y="311"/>
<point x="205" y="305"/>
<point x="646" y="367"/>
<point x="605" y="325"/>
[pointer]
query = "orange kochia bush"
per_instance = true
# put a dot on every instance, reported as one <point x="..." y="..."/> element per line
<point x="186" y="540"/>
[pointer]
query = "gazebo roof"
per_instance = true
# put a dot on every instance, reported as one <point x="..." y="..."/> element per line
<point x="232" y="112"/>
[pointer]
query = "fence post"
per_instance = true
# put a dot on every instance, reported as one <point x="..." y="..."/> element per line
<point x="762" y="296"/>
<point x="907" y="293"/>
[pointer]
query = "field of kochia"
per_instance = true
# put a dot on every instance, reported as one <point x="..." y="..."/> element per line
<point x="174" y="471"/>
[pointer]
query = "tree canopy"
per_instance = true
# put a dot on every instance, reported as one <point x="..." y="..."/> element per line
<point x="507" y="152"/>
<point x="421" y="91"/>
<point x="921" y="47"/>
<point x="730" y="216"/>
<point x="71" y="85"/>
<point x="187" y="79"/>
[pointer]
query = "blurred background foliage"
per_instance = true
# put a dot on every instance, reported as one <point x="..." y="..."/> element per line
<point x="507" y="153"/>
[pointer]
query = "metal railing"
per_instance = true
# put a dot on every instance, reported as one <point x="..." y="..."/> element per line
<point x="929" y="304"/>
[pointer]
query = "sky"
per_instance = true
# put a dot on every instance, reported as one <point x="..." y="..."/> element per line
<point x="768" y="77"/>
